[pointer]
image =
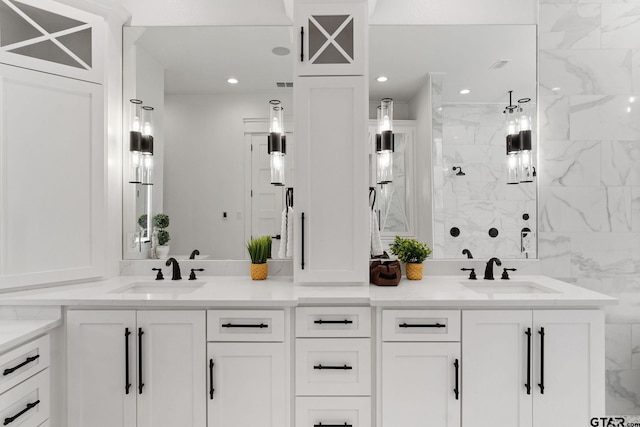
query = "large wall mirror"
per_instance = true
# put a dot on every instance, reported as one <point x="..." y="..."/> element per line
<point x="216" y="189"/>
<point x="450" y="86"/>
<point x="211" y="167"/>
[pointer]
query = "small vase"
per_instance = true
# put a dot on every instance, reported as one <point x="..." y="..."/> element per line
<point x="162" y="251"/>
<point x="414" y="271"/>
<point x="259" y="271"/>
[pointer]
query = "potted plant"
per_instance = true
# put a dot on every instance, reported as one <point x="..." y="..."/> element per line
<point x="412" y="253"/>
<point x="160" y="223"/>
<point x="258" y="249"/>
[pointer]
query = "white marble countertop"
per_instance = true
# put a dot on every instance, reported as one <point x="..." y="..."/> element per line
<point x="15" y="332"/>
<point x="279" y="291"/>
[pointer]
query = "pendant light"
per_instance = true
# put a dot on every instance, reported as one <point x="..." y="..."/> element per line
<point x="135" y="142"/>
<point x="385" y="142"/>
<point x="276" y="142"/>
<point x="146" y="147"/>
<point x="526" y="171"/>
<point x="512" y="142"/>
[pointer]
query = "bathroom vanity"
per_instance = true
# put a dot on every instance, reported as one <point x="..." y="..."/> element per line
<point x="201" y="353"/>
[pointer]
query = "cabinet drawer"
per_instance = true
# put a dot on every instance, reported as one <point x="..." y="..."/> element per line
<point x="22" y="362"/>
<point x="333" y="367"/>
<point x="333" y="411"/>
<point x="421" y="325"/>
<point x="324" y="322"/>
<point x="245" y="325"/>
<point x="27" y="403"/>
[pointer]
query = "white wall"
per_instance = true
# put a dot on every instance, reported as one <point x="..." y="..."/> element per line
<point x="205" y="170"/>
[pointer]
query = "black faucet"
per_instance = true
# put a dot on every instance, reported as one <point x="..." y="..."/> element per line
<point x="176" y="269"/>
<point x="488" y="272"/>
<point x="467" y="252"/>
<point x="194" y="253"/>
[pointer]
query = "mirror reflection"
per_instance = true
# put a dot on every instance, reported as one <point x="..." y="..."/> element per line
<point x="450" y="86"/>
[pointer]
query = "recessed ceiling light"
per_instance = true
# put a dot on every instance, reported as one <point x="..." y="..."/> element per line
<point x="628" y="109"/>
<point x="382" y="79"/>
<point x="555" y="89"/>
<point x="632" y="99"/>
<point x="464" y="91"/>
<point x="232" y="80"/>
<point x="280" y="51"/>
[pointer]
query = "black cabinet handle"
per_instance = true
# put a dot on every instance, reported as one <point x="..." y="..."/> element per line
<point x="302" y="242"/>
<point x="332" y="322"/>
<point x="456" y="390"/>
<point x="343" y="367"/>
<point x="140" y="382"/>
<point x="235" y="325"/>
<point x="127" y="383"/>
<point x="541" y="385"/>
<point x="26" y="362"/>
<point x="422" y="325"/>
<point x="528" y="384"/>
<point x="301" y="44"/>
<point x="211" y="389"/>
<point x="332" y="425"/>
<point x="29" y="406"/>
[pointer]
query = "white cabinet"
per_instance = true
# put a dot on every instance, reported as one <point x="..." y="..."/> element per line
<point x="128" y="368"/>
<point x="420" y="368"/>
<point x="420" y="384"/>
<point x="247" y="369"/>
<point x="247" y="385"/>
<point x="532" y="368"/>
<point x="51" y="178"/>
<point x="332" y="222"/>
<point x="332" y="38"/>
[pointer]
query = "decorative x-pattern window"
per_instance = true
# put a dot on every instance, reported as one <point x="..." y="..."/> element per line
<point x="331" y="39"/>
<point x="41" y="34"/>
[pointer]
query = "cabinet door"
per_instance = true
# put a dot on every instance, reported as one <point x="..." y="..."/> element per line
<point x="419" y="386"/>
<point x="569" y="367"/>
<point x="331" y="180"/>
<point x="97" y="368"/>
<point x="51" y="178"/>
<point x="332" y="38"/>
<point x="172" y="375"/>
<point x="247" y="385"/>
<point x="495" y="355"/>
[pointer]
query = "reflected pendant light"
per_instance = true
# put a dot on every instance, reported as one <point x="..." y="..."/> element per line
<point x="526" y="171"/>
<point x="512" y="142"/>
<point x="276" y="142"/>
<point x="135" y="142"/>
<point x="385" y="142"/>
<point x="146" y="147"/>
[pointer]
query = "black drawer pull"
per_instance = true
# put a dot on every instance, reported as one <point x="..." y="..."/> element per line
<point x="456" y="390"/>
<point x="29" y="406"/>
<point x="26" y="361"/>
<point x="211" y="389"/>
<point x="127" y="383"/>
<point x="233" y="325"/>
<point x="301" y="44"/>
<point x="302" y="241"/>
<point x="332" y="322"/>
<point x="527" y="386"/>
<point x="140" y="382"/>
<point x="332" y="425"/>
<point x="422" y="325"/>
<point x="541" y="385"/>
<point x="343" y="367"/>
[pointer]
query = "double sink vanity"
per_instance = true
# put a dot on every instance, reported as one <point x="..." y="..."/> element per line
<point x="228" y="351"/>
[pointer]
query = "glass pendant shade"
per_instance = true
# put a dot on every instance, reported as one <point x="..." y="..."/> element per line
<point x="147" y="145"/>
<point x="513" y="168"/>
<point x="512" y="145"/>
<point x="135" y="142"/>
<point x="276" y="142"/>
<point x="147" y="169"/>
<point x="384" y="142"/>
<point x="524" y="134"/>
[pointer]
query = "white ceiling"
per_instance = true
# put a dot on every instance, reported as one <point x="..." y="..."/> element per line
<point x="200" y="59"/>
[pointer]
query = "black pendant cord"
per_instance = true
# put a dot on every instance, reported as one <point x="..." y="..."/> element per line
<point x="528" y="384"/>
<point x="15" y="368"/>
<point x="541" y="385"/>
<point x="127" y="382"/>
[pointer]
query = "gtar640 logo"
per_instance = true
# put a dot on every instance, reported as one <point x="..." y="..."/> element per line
<point x="608" y="422"/>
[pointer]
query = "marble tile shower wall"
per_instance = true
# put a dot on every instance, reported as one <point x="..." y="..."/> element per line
<point x="472" y="137"/>
<point x="589" y="189"/>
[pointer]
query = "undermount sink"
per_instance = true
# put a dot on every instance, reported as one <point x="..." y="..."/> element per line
<point x="507" y="287"/>
<point x="153" y="287"/>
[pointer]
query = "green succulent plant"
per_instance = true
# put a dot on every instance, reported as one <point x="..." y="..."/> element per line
<point x="142" y="221"/>
<point x="259" y="249"/>
<point x="163" y="237"/>
<point x="410" y="250"/>
<point x="161" y="221"/>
